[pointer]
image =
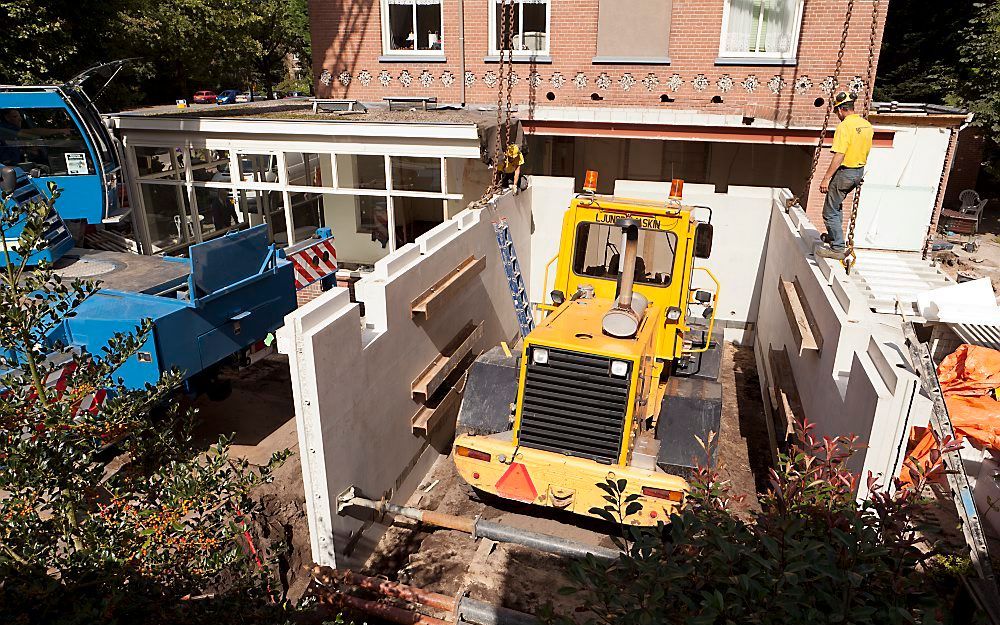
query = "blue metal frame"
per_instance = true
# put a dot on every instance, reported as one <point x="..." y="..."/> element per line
<point x="195" y="333"/>
<point x="92" y="196"/>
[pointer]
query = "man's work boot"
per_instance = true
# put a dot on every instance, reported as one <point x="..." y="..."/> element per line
<point x="827" y="252"/>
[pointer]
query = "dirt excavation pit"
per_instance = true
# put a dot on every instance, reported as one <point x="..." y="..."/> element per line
<point x="261" y="414"/>
<point x="449" y="562"/>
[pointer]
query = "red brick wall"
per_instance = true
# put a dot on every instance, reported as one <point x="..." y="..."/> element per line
<point x="968" y="161"/>
<point x="347" y="43"/>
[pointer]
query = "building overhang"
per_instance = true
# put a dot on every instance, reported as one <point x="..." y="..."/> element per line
<point x="687" y="132"/>
<point x="455" y="140"/>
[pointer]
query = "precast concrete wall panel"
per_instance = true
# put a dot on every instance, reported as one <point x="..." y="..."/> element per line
<point x="549" y="198"/>
<point x="858" y="381"/>
<point x="352" y="376"/>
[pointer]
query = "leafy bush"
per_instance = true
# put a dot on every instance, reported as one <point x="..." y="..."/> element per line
<point x="812" y="555"/>
<point x="107" y="512"/>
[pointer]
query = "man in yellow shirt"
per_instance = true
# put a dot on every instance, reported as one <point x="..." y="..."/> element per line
<point x="510" y="168"/>
<point x="851" y="144"/>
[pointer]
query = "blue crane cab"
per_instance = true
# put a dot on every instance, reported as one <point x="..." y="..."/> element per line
<point x="56" y="134"/>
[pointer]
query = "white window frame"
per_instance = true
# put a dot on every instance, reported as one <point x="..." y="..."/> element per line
<point x="387" y="49"/>
<point x="778" y="56"/>
<point x="495" y="45"/>
<point x="184" y="183"/>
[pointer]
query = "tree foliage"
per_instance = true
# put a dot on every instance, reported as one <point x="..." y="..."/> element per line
<point x="811" y="555"/>
<point x="107" y="511"/>
<point x="178" y="46"/>
<point x="945" y="53"/>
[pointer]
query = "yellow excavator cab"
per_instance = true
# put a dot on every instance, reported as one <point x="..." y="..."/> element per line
<point x="619" y="377"/>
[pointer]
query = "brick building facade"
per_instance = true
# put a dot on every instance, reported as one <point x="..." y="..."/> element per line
<point x="758" y="72"/>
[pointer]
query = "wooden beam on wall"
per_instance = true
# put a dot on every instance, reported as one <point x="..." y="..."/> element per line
<point x="435" y="373"/>
<point x="436" y="297"/>
<point x="803" y="324"/>
<point x="788" y="408"/>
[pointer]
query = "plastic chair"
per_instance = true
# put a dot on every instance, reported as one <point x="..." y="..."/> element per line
<point x="969" y="199"/>
<point x="964" y="221"/>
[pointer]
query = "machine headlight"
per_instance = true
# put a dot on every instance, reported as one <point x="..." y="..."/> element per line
<point x="619" y="368"/>
<point x="539" y="356"/>
<point x="673" y="314"/>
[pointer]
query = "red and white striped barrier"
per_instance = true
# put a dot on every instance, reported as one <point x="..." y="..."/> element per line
<point x="313" y="262"/>
<point x="58" y="381"/>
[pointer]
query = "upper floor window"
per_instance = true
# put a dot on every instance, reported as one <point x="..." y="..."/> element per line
<point x="411" y="26"/>
<point x="761" y="29"/>
<point x="529" y="27"/>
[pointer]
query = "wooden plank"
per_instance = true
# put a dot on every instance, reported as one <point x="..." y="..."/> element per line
<point x="788" y="402"/>
<point x="797" y="318"/>
<point x="435" y="373"/>
<point x="810" y="318"/>
<point x="427" y="418"/>
<point x="436" y="297"/>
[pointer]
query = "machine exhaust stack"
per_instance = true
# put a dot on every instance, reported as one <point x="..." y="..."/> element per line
<point x="622" y="321"/>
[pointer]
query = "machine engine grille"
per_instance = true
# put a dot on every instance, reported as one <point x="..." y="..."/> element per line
<point x="573" y="405"/>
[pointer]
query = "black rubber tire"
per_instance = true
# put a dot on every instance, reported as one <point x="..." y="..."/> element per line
<point x="219" y="390"/>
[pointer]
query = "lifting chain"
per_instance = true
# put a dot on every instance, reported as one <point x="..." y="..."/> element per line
<point x="850" y="257"/>
<point x="505" y="86"/>
<point x="829" y="105"/>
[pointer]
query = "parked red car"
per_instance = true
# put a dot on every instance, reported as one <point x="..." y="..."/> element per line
<point x="204" y="97"/>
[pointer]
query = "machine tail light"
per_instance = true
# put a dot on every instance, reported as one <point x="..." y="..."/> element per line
<point x="661" y="493"/>
<point x="676" y="189"/>
<point x="590" y="182"/>
<point x="466" y="452"/>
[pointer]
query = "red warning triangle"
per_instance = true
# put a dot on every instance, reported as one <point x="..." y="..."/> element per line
<point x="516" y="484"/>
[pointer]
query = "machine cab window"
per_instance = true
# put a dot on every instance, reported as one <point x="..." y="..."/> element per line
<point x="597" y="253"/>
<point x="45" y="139"/>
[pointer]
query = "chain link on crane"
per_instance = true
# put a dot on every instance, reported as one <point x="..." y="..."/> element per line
<point x="505" y="86"/>
<point x="829" y="104"/>
<point x="850" y="257"/>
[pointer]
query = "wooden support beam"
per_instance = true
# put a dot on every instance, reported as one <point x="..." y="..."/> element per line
<point x="788" y="406"/>
<point x="427" y="418"/>
<point x="803" y="324"/>
<point x="436" y="297"/>
<point x="435" y="373"/>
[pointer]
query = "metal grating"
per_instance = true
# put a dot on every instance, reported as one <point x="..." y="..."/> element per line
<point x="890" y="277"/>
<point x="978" y="334"/>
<point x="572" y="405"/>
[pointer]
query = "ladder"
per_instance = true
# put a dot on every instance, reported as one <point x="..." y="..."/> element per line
<point x="515" y="280"/>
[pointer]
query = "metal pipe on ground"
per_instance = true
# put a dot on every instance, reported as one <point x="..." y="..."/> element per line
<point x="480" y="613"/>
<point x="479" y="528"/>
<point x="385" y="587"/>
<point x="382" y="611"/>
<point x="467" y="610"/>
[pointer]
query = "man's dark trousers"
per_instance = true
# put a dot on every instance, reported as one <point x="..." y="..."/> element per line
<point x="845" y="180"/>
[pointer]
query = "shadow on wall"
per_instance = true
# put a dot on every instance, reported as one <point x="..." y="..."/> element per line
<point x="341" y="52"/>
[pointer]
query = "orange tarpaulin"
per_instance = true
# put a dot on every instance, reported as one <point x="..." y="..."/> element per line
<point x="969" y="379"/>
<point x="971" y="370"/>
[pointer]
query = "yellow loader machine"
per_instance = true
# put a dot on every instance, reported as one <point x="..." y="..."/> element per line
<point x="618" y="379"/>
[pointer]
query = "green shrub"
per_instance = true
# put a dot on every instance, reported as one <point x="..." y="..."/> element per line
<point x="812" y="555"/>
<point x="109" y="514"/>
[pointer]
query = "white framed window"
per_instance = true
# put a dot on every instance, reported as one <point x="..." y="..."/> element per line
<point x="761" y="29"/>
<point x="412" y="27"/>
<point x="529" y="31"/>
